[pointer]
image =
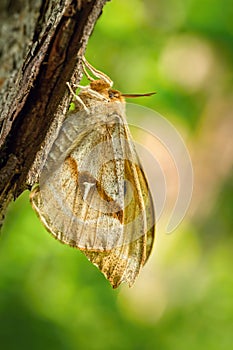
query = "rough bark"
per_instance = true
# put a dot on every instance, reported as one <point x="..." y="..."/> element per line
<point x="41" y="46"/>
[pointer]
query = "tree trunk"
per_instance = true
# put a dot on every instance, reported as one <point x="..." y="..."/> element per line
<point x="41" y="46"/>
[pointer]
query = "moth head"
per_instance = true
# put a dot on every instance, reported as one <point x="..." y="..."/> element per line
<point x="104" y="88"/>
<point x="115" y="95"/>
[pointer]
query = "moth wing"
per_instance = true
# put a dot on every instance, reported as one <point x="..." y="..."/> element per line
<point x="108" y="212"/>
<point x="123" y="263"/>
<point x="79" y="199"/>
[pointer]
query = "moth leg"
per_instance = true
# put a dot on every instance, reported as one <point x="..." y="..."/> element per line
<point x="87" y="74"/>
<point x="97" y="94"/>
<point x="77" y="98"/>
<point x="91" y="92"/>
<point x="83" y="87"/>
<point x="96" y="72"/>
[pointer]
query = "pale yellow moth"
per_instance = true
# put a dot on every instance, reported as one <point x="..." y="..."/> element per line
<point x="93" y="194"/>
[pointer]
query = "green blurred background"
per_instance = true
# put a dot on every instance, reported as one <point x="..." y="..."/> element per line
<point x="51" y="297"/>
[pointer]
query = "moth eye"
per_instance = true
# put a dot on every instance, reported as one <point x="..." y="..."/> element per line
<point x="111" y="94"/>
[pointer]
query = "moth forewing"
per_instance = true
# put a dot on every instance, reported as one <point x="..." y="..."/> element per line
<point x="93" y="193"/>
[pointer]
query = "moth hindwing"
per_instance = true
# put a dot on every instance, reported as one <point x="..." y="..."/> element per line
<point x="93" y="194"/>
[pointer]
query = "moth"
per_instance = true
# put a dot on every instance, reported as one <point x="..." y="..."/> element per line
<point x="93" y="194"/>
